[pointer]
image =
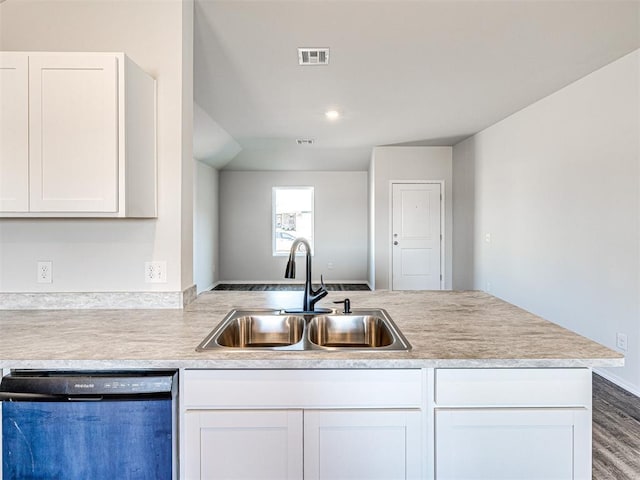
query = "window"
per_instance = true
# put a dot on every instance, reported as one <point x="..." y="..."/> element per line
<point x="292" y="217"/>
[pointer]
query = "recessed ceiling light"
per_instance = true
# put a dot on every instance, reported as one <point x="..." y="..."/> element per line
<point x="332" y="114"/>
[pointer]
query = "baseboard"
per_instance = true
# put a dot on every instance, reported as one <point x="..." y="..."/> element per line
<point x="256" y="282"/>
<point x="618" y="381"/>
<point x="285" y="281"/>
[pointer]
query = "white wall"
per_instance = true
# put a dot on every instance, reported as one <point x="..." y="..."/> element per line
<point x="109" y="255"/>
<point x="187" y="174"/>
<point x="557" y="186"/>
<point x="371" y="257"/>
<point x="406" y="164"/>
<point x="205" y="227"/>
<point x="340" y="227"/>
<point x="463" y="216"/>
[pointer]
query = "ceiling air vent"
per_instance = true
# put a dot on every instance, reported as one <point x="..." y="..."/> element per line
<point x="305" y="141"/>
<point x="313" y="56"/>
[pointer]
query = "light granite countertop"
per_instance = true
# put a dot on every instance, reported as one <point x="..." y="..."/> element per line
<point x="446" y="329"/>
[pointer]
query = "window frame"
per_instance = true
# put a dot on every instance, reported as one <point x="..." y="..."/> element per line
<point x="274" y="191"/>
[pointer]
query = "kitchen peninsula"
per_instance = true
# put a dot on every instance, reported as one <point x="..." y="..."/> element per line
<point x="486" y="386"/>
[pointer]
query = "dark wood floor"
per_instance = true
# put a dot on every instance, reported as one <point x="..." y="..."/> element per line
<point x="616" y="432"/>
<point x="263" y="287"/>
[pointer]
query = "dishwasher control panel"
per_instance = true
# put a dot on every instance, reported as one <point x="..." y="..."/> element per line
<point x="69" y="384"/>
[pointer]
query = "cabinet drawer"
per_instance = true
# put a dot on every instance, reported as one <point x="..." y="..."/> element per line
<point x="513" y="387"/>
<point x="303" y="388"/>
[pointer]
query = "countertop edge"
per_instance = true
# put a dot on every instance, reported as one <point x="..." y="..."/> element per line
<point x="261" y="364"/>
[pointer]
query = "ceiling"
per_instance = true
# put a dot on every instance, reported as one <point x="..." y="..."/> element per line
<point x="401" y="72"/>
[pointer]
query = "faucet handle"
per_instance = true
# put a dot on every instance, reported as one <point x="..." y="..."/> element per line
<point x="323" y="287"/>
<point x="316" y="295"/>
<point x="347" y="305"/>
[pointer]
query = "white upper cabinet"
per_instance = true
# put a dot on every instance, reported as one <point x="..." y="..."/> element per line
<point x="14" y="133"/>
<point x="73" y="110"/>
<point x="527" y="423"/>
<point x="91" y="137"/>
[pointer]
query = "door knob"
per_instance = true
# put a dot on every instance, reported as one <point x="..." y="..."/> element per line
<point x="395" y="243"/>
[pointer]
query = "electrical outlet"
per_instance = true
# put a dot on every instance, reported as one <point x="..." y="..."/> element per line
<point x="487" y="238"/>
<point x="45" y="272"/>
<point x="155" y="272"/>
<point x="330" y="266"/>
<point x="621" y="341"/>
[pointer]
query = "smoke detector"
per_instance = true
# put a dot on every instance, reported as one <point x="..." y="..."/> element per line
<point x="313" y="56"/>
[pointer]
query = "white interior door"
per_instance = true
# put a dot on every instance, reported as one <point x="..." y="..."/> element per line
<point x="416" y="236"/>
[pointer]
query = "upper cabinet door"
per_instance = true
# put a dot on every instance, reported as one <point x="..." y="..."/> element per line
<point x="14" y="133"/>
<point x="73" y="118"/>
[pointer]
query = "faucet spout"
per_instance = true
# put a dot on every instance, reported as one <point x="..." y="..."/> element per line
<point x="311" y="296"/>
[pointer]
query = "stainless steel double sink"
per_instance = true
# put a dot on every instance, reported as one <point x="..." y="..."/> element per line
<point x="370" y="329"/>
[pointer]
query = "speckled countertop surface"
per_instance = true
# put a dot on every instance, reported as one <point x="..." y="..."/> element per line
<point x="446" y="329"/>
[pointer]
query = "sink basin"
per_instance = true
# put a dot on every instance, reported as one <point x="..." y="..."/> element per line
<point x="370" y="329"/>
<point x="350" y="331"/>
<point x="256" y="331"/>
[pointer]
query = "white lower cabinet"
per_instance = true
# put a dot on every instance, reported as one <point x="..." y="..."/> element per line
<point x="494" y="444"/>
<point x="370" y="424"/>
<point x="526" y="424"/>
<point x="361" y="444"/>
<point x="295" y="424"/>
<point x="244" y="444"/>
<point x="268" y="444"/>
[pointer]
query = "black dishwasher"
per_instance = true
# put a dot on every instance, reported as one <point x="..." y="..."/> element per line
<point x="88" y="425"/>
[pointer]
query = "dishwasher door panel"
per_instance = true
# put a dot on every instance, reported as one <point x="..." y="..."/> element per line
<point x="79" y="440"/>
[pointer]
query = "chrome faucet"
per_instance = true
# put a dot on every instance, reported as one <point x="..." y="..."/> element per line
<point x="311" y="297"/>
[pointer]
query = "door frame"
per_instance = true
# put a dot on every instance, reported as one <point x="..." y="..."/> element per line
<point x="442" y="228"/>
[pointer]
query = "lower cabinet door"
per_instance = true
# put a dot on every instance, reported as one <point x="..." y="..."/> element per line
<point x="501" y="443"/>
<point x="362" y="444"/>
<point x="242" y="444"/>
